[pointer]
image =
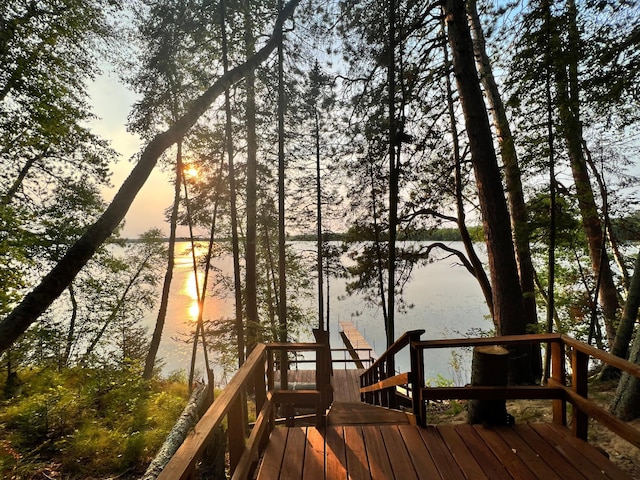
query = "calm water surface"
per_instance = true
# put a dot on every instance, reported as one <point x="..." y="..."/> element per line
<point x="447" y="303"/>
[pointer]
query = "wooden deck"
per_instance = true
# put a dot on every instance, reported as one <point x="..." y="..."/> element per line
<point x="451" y="452"/>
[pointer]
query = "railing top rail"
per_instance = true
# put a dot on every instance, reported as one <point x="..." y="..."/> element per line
<point x="282" y="346"/>
<point x="606" y="357"/>
<point x="195" y="444"/>
<point x="398" y="345"/>
<point x="474" y="342"/>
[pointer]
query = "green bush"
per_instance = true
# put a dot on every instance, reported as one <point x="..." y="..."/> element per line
<point x="86" y="422"/>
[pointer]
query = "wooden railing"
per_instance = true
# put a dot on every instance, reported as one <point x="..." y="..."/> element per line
<point x="378" y="384"/>
<point x="255" y="378"/>
<point x="560" y="389"/>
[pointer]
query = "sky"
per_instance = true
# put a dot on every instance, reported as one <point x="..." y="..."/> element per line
<point x="111" y="103"/>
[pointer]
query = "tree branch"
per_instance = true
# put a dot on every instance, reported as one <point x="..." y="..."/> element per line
<point x="54" y="283"/>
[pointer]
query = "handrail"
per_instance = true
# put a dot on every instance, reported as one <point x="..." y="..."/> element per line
<point x="231" y="404"/>
<point x="375" y="384"/>
<point x="378" y="383"/>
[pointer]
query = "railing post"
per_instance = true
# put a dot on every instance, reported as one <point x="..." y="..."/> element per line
<point x="236" y="428"/>
<point x="558" y="374"/>
<point x="417" y="381"/>
<point x="259" y="384"/>
<point x="579" y="364"/>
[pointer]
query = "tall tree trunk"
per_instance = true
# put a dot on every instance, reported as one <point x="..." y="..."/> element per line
<point x="569" y="108"/>
<point x="551" y="258"/>
<point x="393" y="173"/>
<point x="377" y="246"/>
<point x="59" y="278"/>
<point x="478" y="268"/>
<point x="251" y="293"/>
<point x="235" y="241"/>
<point x="515" y="195"/>
<point x="168" y="276"/>
<point x="319" y="223"/>
<point x="507" y="295"/>
<point x="282" y="260"/>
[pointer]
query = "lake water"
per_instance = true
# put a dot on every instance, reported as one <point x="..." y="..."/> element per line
<point x="447" y="303"/>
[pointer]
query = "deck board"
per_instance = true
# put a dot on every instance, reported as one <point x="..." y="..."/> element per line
<point x="293" y="460"/>
<point x="352" y="413"/>
<point x="508" y="456"/>
<point x="336" y="459"/>
<point x="450" y="452"/>
<point x="461" y="453"/>
<point x="491" y="465"/>
<point x="314" y="456"/>
<point x="398" y="455"/>
<point x="356" y="453"/>
<point x="379" y="463"/>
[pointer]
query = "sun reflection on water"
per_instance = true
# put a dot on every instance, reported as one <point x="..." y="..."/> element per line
<point x="190" y="290"/>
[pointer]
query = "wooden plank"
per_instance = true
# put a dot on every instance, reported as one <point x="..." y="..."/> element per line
<point x="335" y="455"/>
<point x="445" y="463"/>
<point x="398" y="453"/>
<point x="401" y="379"/>
<point x="547" y="452"/>
<point x="626" y="431"/>
<point x="351" y="413"/>
<point x="586" y="458"/>
<point x="418" y="452"/>
<point x="314" y="456"/>
<point x="379" y="464"/>
<point x="482" y="392"/>
<point x="606" y="357"/>
<point x="492" y="465"/>
<point x="509" y="455"/>
<point x="357" y="462"/>
<point x="273" y="455"/>
<point x="464" y="458"/>
<point x="528" y="455"/>
<point x="474" y="342"/>
<point x="294" y="454"/>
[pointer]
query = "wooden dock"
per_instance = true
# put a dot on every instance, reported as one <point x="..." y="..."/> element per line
<point x="359" y="349"/>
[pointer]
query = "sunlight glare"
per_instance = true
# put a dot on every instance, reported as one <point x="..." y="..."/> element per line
<point x="191" y="171"/>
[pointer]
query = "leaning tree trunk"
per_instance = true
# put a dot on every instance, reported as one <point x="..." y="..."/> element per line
<point x="627" y="323"/>
<point x="515" y="195"/>
<point x="478" y="267"/>
<point x="168" y="276"/>
<point x="626" y="403"/>
<point x="195" y="407"/>
<point x="507" y="295"/>
<point x="569" y="108"/>
<point x="59" y="278"/>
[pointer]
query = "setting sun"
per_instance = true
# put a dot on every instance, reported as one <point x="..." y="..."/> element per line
<point x="191" y="171"/>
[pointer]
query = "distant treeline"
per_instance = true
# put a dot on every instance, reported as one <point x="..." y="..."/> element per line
<point x="363" y="235"/>
<point x="624" y="229"/>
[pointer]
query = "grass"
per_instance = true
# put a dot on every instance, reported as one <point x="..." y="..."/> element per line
<point x="86" y="423"/>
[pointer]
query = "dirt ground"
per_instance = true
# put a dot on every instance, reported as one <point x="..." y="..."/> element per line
<point x="625" y="455"/>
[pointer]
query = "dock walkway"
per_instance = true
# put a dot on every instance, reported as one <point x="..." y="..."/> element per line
<point x="358" y="347"/>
